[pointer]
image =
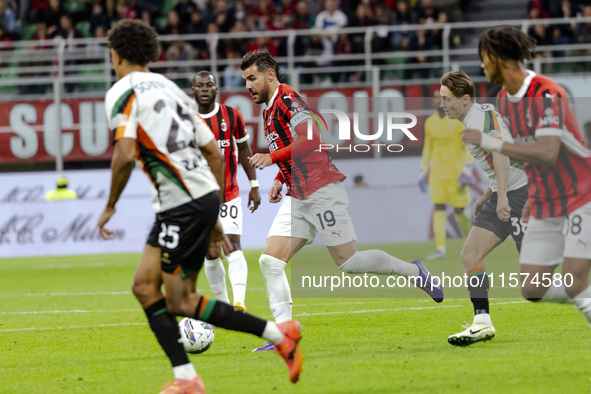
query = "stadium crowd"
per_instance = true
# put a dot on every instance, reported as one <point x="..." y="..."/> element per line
<point x="559" y="34"/>
<point x="47" y="19"/>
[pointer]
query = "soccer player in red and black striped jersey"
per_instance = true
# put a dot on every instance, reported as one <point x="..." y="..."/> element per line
<point x="227" y="126"/>
<point x="316" y="200"/>
<point x="547" y="136"/>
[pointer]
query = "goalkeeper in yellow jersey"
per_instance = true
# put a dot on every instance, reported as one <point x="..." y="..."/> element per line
<point x="447" y="167"/>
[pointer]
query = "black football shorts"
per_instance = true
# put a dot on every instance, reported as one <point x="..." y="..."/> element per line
<point x="487" y="216"/>
<point x="182" y="234"/>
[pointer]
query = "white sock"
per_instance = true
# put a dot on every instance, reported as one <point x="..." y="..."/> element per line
<point x="185" y="371"/>
<point x="378" y="262"/>
<point x="583" y="302"/>
<point x="272" y="333"/>
<point x="238" y="273"/>
<point x="482" y="318"/>
<point x="216" y="276"/>
<point x="277" y="287"/>
<point x="557" y="295"/>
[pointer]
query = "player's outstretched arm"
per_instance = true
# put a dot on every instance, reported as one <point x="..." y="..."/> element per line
<point x="122" y="165"/>
<point x="544" y="151"/>
<point x="216" y="163"/>
<point x="254" y="197"/>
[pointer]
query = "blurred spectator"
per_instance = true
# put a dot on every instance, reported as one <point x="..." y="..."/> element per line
<point x="264" y="44"/>
<point x="331" y="17"/>
<point x="301" y="18"/>
<point x="213" y="28"/>
<point x="198" y="26"/>
<point x="239" y="10"/>
<point x="98" y="17"/>
<point x="252" y="22"/>
<point x="239" y="45"/>
<point x="536" y="11"/>
<point x="174" y="24"/>
<point x="38" y="51"/>
<point x="223" y="15"/>
<point x="36" y="10"/>
<point x="68" y="32"/>
<point x="184" y="9"/>
<point x="7" y="17"/>
<point x="583" y="30"/>
<point x="420" y="42"/>
<point x="233" y="73"/>
<point x="95" y="49"/>
<point x="179" y="51"/>
<point x="428" y="15"/>
<point x="322" y="47"/>
<point x="52" y="16"/>
<point x="563" y="34"/>
<point x="541" y="34"/>
<point x="124" y="11"/>
<point x="403" y="16"/>
<point x="278" y="21"/>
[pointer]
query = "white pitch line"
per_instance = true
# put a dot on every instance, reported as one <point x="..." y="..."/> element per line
<point x="71" y="327"/>
<point x="416" y="308"/>
<point x="300" y="314"/>
<point x="69" y="311"/>
<point x="88" y="293"/>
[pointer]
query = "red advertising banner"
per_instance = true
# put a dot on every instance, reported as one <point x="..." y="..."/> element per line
<point x="28" y="128"/>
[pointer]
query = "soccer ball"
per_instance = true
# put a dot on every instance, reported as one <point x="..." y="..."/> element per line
<point x="196" y="336"/>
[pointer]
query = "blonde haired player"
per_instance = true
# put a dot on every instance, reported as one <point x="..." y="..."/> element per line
<point x="447" y="166"/>
<point x="497" y="213"/>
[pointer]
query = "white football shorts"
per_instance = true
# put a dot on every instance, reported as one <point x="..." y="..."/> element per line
<point x="326" y="211"/>
<point x="547" y="241"/>
<point x="231" y="216"/>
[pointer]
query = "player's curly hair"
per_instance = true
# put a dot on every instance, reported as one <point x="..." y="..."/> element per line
<point x="263" y="60"/>
<point x="506" y="43"/>
<point x="134" y="41"/>
<point x="459" y="83"/>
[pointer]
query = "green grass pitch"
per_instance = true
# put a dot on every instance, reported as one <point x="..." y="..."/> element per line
<point x="71" y="325"/>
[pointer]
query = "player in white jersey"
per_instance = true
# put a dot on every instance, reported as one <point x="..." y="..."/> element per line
<point x="154" y="121"/>
<point x="497" y="213"/>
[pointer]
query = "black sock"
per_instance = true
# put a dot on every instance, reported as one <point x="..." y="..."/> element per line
<point x="478" y="288"/>
<point x="166" y="329"/>
<point x="225" y="316"/>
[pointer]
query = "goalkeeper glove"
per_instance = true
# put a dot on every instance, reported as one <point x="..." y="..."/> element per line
<point x="424" y="179"/>
<point x="466" y="177"/>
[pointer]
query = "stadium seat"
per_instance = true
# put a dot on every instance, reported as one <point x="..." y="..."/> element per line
<point x="73" y="6"/>
<point x="84" y="27"/>
<point x="168" y="6"/>
<point x="28" y="31"/>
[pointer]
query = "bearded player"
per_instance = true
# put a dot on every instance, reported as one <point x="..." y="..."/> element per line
<point x="227" y="126"/>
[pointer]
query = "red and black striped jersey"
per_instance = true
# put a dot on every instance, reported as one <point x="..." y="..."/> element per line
<point x="227" y="126"/>
<point x="306" y="173"/>
<point x="541" y="108"/>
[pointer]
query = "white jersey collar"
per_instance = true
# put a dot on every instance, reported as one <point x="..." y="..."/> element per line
<point x="523" y="89"/>
<point x="469" y="114"/>
<point x="212" y="113"/>
<point x="273" y="98"/>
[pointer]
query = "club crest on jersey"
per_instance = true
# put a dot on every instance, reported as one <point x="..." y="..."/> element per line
<point x="224" y="125"/>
